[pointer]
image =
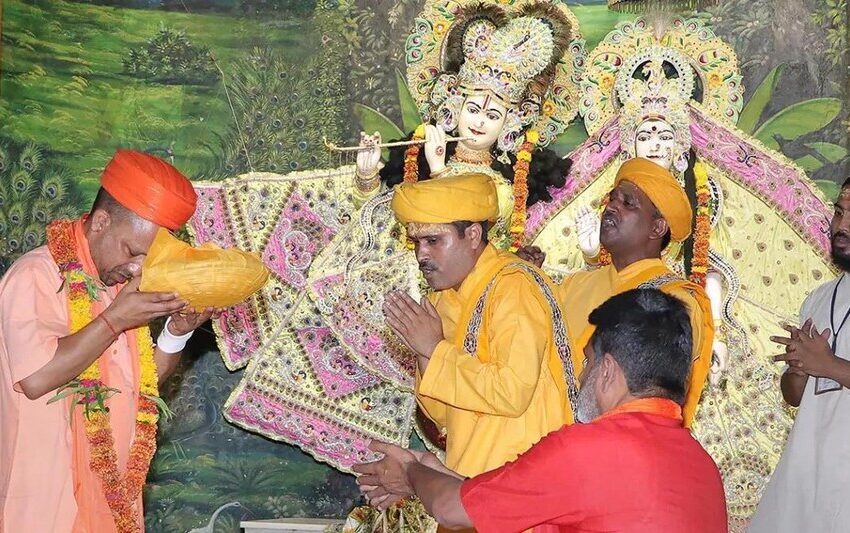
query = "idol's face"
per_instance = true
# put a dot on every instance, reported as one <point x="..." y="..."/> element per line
<point x="655" y="140"/>
<point x="839" y="228"/>
<point x="481" y="120"/>
<point x="445" y="256"/>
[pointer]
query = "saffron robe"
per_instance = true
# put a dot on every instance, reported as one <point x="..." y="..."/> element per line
<point x="582" y="292"/>
<point x="501" y="379"/>
<point x="46" y="483"/>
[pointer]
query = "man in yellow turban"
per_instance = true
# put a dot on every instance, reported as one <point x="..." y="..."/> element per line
<point x="494" y="369"/>
<point x="72" y="309"/>
<point x="647" y="208"/>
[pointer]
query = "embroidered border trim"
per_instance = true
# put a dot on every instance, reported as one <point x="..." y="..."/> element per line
<point x="559" y="327"/>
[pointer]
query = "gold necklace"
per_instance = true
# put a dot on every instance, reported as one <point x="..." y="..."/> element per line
<point x="467" y="155"/>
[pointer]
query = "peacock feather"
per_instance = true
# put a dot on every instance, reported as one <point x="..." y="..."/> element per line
<point x="23" y="186"/>
<point x="15" y="240"/>
<point x="17" y="215"/>
<point x="30" y="158"/>
<point x="41" y="212"/>
<point x="34" y="189"/>
<point x="54" y="187"/>
<point x="33" y="235"/>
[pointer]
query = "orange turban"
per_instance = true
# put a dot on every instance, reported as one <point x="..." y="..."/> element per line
<point x="149" y="187"/>
<point x="665" y="192"/>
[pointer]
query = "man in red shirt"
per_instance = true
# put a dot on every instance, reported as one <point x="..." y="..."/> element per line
<point x="631" y="468"/>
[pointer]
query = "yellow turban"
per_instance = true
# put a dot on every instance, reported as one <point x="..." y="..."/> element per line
<point x="469" y="197"/>
<point x="206" y="276"/>
<point x="665" y="192"/>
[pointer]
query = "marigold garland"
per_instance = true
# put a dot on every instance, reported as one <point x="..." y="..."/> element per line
<point x="518" y="216"/>
<point x="702" y="227"/>
<point x="520" y="184"/>
<point x="411" y="156"/>
<point x="90" y="391"/>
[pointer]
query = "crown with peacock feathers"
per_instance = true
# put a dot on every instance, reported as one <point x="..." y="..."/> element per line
<point x="502" y="61"/>
<point x="527" y="55"/>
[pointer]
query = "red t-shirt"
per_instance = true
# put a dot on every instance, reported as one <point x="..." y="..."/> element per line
<point x="630" y="471"/>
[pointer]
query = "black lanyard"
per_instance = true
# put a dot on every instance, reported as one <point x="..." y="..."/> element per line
<point x="832" y="315"/>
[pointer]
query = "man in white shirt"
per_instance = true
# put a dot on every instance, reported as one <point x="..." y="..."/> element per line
<point x="810" y="490"/>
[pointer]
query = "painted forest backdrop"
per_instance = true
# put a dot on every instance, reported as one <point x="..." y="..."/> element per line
<point x="221" y="87"/>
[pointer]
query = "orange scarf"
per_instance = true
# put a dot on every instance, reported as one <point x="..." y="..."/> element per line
<point x="651" y="406"/>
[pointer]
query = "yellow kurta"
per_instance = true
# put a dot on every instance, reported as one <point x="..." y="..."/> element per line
<point x="497" y="402"/>
<point x="583" y="292"/>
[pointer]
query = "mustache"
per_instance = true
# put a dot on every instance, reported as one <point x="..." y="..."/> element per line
<point x="840" y="233"/>
<point x="427" y="265"/>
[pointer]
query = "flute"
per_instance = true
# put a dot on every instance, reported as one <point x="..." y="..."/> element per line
<point x="333" y="147"/>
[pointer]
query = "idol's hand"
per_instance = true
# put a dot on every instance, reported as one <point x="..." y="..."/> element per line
<point x="719" y="363"/>
<point x="435" y="148"/>
<point x="587" y="229"/>
<point x="368" y="161"/>
<point x="417" y="324"/>
<point x="132" y="309"/>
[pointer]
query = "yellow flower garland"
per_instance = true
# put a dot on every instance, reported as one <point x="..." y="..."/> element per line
<point x="520" y="186"/>
<point x="89" y="391"/>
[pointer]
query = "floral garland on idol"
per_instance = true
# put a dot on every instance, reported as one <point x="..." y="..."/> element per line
<point x="89" y="391"/>
<point x="411" y="155"/>
<point x="520" y="183"/>
<point x="523" y="162"/>
<point x="702" y="228"/>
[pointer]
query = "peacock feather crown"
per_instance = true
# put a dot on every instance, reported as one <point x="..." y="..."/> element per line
<point x="502" y="61"/>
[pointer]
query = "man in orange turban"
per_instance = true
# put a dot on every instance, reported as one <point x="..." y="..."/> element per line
<point x="150" y="188"/>
<point x="71" y="308"/>
<point x="646" y="210"/>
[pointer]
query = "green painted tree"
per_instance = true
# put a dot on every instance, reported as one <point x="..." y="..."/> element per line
<point x="169" y="57"/>
<point x="381" y="28"/>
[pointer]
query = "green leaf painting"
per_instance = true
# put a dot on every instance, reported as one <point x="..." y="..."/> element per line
<point x="829" y="188"/>
<point x="409" y="113"/>
<point x="752" y="112"/>
<point x="798" y="119"/>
